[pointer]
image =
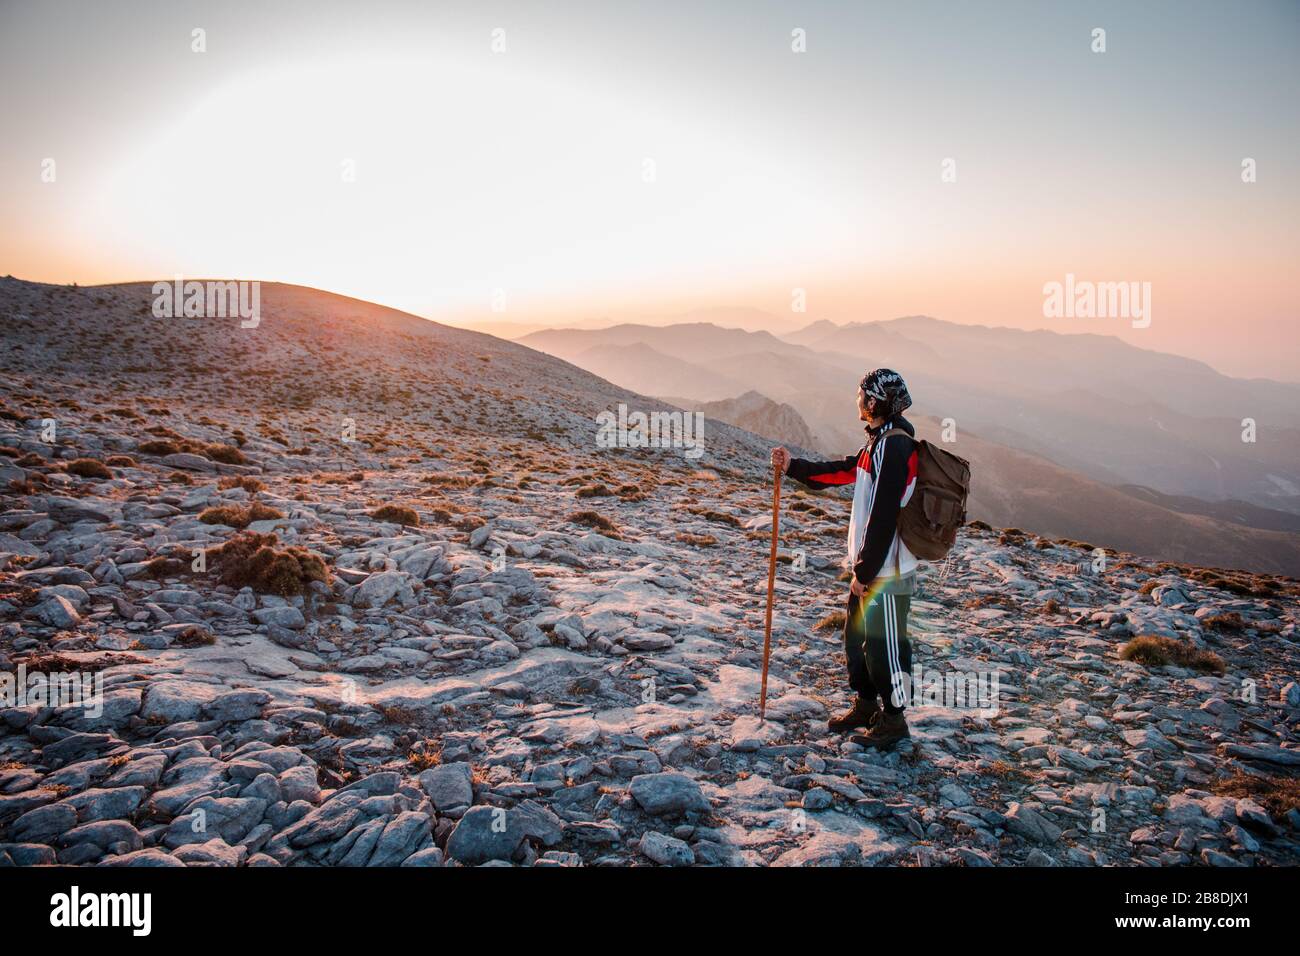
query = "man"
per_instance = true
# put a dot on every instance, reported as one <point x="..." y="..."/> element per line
<point x="883" y="475"/>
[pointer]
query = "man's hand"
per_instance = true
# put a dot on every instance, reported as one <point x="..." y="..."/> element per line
<point x="857" y="588"/>
<point x="781" y="459"/>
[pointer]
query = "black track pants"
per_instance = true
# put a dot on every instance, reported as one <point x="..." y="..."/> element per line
<point x="877" y="649"/>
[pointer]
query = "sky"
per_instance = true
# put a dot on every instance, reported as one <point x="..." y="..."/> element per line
<point x="559" y="162"/>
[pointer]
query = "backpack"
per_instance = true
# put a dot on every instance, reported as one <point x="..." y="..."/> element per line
<point x="929" y="523"/>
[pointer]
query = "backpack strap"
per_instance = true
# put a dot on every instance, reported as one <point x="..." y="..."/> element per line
<point x="898" y="571"/>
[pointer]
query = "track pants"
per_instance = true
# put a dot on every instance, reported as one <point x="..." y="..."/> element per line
<point x="877" y="649"/>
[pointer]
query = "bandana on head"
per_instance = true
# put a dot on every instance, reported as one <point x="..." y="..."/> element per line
<point x="888" y="389"/>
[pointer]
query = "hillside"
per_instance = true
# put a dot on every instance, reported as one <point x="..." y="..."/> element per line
<point x="463" y="611"/>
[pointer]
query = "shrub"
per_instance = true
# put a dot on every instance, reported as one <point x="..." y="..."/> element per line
<point x="397" y="514"/>
<point x="120" y="461"/>
<point x="158" y="447"/>
<point x="1277" y="794"/>
<point x="1164" y="651"/>
<point x="247" y="482"/>
<point x="226" y="454"/>
<point x="1228" y="621"/>
<point x="239" y="517"/>
<point x="164" y="567"/>
<point x="594" y="519"/>
<point x="89" y="468"/>
<point x="253" y="560"/>
<point x="833" y="621"/>
<point x="593" y="491"/>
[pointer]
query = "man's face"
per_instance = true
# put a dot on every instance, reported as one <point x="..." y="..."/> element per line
<point x="864" y="406"/>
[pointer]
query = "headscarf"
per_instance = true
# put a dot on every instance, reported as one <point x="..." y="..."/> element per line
<point x="888" y="389"/>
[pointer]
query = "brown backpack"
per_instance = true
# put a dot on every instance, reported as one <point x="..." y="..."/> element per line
<point x="929" y="523"/>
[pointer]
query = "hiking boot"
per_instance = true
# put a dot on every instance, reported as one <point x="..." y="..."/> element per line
<point x="864" y="713"/>
<point x="884" y="733"/>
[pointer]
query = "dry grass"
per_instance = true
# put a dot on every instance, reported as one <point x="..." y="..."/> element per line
<point x="253" y="560"/>
<point x="593" y="491"/>
<point x="397" y="514"/>
<point x="235" y="516"/>
<point x="89" y="468"/>
<point x="596" y="520"/>
<point x="1154" y="651"/>
<point x="247" y="482"/>
<point x="834" y="621"/>
<point x="1228" y="621"/>
<point x="696" y="540"/>
<point x="1277" y="794"/>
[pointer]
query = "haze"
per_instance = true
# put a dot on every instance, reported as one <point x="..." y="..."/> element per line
<point x="518" y="178"/>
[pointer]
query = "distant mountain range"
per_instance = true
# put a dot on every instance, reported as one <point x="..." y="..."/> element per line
<point x="1080" y="408"/>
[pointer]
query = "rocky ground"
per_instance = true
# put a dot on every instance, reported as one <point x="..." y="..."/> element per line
<point x="469" y="636"/>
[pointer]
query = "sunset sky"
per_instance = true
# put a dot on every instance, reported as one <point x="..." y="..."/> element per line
<point x="524" y="170"/>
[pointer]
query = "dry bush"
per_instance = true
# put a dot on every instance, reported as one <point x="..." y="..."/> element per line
<point x="226" y="454"/>
<point x="397" y="514"/>
<point x="164" y="567"/>
<point x="236" y="516"/>
<point x="158" y="447"/>
<point x="89" y="468"/>
<point x="1153" y="651"/>
<point x="1277" y="794"/>
<point x="120" y="461"/>
<point x="722" y="517"/>
<point x="253" y="560"/>
<point x="593" y="491"/>
<point x="247" y="482"/>
<point x="1228" y="621"/>
<point x="596" y="520"/>
<point x="696" y="540"/>
<point x="834" y="621"/>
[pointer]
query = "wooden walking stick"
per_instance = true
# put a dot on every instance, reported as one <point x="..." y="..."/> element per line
<point x="771" y="587"/>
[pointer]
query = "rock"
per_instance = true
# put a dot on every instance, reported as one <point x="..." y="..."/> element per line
<point x="817" y="798"/>
<point x="483" y="834"/>
<point x="149" y="857"/>
<point x="300" y="783"/>
<point x="429" y="856"/>
<point x="103" y="834"/>
<point x="230" y="818"/>
<point x="1291" y="695"/>
<point x="237" y="705"/>
<point x="1252" y="815"/>
<point x="403" y="835"/>
<point x="448" y="785"/>
<point x="44" y="824"/>
<point x="58" y="612"/>
<point x="188" y="462"/>
<point x="171" y="701"/>
<point x="286" y="616"/>
<point x="955" y="796"/>
<point x="104" y="804"/>
<point x="1147" y="738"/>
<point x="73" y="510"/>
<point x="214" y="852"/>
<point x="666" y="850"/>
<point x="384" y="586"/>
<point x="668" y="793"/>
<point x="1031" y="824"/>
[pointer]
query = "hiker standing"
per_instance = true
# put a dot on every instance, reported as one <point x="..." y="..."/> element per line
<point x="883" y="474"/>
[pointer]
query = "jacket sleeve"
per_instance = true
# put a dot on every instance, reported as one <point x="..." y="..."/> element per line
<point x="886" y="501"/>
<point x="824" y="474"/>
